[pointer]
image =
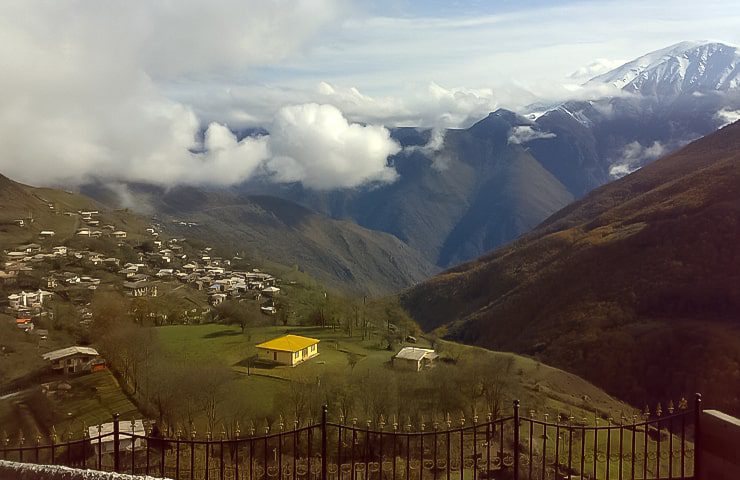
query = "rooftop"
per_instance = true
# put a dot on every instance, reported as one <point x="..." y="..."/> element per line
<point x="66" y="352"/>
<point x="416" y="353"/>
<point x="288" y="343"/>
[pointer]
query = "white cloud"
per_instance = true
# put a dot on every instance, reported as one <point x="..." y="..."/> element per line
<point x="727" y="116"/>
<point x="634" y="155"/>
<point x="525" y="133"/>
<point x="315" y="145"/>
<point x="595" y="68"/>
<point x="80" y="97"/>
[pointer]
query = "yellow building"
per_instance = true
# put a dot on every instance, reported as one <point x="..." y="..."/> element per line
<point x="289" y="349"/>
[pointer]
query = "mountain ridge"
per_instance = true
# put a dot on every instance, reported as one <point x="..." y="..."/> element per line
<point x="646" y="266"/>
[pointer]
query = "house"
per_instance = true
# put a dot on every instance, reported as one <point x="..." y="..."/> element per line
<point x="24" y="324"/>
<point x="140" y="288"/>
<point x="289" y="349"/>
<point x="271" y="292"/>
<point x="72" y="359"/>
<point x="119" y="234"/>
<point x="216" y="298"/>
<point x="8" y="278"/>
<point x="414" y="358"/>
<point x="20" y="222"/>
<point x="30" y="248"/>
<point x="28" y="299"/>
<point x="46" y="233"/>
<point x="101" y="436"/>
<point x="60" y="251"/>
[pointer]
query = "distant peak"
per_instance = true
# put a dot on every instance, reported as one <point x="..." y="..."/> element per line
<point x="684" y="67"/>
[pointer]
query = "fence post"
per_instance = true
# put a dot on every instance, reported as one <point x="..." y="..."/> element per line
<point x="697" y="436"/>
<point x="116" y="446"/>
<point x="516" y="439"/>
<point x="324" y="411"/>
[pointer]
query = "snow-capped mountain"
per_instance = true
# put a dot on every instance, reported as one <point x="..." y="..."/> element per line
<point x="685" y="67"/>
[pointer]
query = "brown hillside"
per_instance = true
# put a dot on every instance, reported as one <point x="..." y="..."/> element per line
<point x="636" y="287"/>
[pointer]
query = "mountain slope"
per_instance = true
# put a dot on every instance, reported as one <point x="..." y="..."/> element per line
<point x="636" y="287"/>
<point x="475" y="193"/>
<point x="340" y="254"/>
<point x="670" y="97"/>
<point x="44" y="208"/>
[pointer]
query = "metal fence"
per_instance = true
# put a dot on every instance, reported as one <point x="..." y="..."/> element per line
<point x="515" y="447"/>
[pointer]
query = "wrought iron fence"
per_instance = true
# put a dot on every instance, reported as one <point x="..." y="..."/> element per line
<point x="515" y="447"/>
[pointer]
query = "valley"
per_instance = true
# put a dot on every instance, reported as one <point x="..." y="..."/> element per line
<point x="638" y="279"/>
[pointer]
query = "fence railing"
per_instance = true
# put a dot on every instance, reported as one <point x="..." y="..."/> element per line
<point x="515" y="447"/>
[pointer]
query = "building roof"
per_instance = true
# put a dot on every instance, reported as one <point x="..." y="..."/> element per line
<point x="288" y="343"/>
<point x="66" y="352"/>
<point x="416" y="353"/>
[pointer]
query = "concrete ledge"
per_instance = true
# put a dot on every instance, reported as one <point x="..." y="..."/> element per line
<point x="720" y="446"/>
<point x="27" y="471"/>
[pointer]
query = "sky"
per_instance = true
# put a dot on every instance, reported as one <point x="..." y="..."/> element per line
<point x="123" y="90"/>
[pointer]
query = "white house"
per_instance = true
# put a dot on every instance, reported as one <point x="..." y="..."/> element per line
<point x="46" y="233"/>
<point x="72" y="359"/>
<point x="271" y="291"/>
<point x="119" y="234"/>
<point x="414" y="358"/>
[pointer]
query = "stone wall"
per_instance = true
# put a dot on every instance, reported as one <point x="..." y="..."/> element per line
<point x="720" y="446"/>
<point x="25" y="471"/>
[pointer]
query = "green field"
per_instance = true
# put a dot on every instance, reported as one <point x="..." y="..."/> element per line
<point x="539" y="387"/>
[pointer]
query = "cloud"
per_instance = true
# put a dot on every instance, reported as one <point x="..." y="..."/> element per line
<point x="315" y="145"/>
<point x="82" y="85"/>
<point x="727" y="116"/>
<point x="595" y="68"/>
<point x="634" y="155"/>
<point x="525" y="133"/>
<point x="433" y="149"/>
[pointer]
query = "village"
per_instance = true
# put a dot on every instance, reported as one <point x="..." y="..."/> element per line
<point x="40" y="276"/>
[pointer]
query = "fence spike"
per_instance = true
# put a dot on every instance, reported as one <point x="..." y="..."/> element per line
<point x="683" y="404"/>
<point x="658" y="410"/>
<point x="489" y="416"/>
<point x="670" y="406"/>
<point x="646" y="411"/>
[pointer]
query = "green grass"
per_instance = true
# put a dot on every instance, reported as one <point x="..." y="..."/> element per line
<point x="538" y="386"/>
